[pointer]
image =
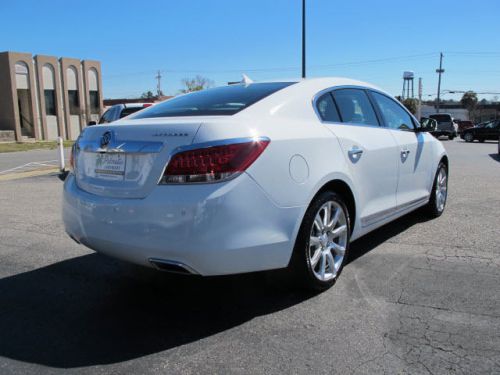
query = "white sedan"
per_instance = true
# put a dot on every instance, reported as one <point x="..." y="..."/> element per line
<point x="251" y="177"/>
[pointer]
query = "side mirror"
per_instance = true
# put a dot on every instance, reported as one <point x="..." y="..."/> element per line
<point x="427" y="124"/>
<point x="92" y="123"/>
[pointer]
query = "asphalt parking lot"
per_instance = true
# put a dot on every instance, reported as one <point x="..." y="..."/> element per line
<point x="417" y="296"/>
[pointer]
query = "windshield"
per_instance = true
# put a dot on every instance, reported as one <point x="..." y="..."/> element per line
<point x="225" y="100"/>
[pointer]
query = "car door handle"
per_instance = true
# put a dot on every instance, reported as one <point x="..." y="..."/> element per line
<point x="355" y="152"/>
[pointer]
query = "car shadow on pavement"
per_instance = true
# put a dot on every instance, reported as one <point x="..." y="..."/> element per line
<point x="495" y="156"/>
<point x="94" y="310"/>
<point x="373" y="239"/>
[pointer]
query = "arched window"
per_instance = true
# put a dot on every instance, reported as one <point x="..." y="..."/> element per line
<point x="49" y="89"/>
<point x="24" y="99"/>
<point x="93" y="91"/>
<point x="73" y="98"/>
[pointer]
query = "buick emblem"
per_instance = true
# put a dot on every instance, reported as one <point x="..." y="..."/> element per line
<point x="105" y="139"/>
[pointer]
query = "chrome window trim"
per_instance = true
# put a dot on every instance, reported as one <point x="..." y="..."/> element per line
<point x="365" y="88"/>
<point x="196" y="146"/>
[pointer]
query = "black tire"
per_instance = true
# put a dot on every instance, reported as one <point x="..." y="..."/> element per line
<point x="451" y="137"/>
<point x="432" y="208"/>
<point x="481" y="140"/>
<point x="468" y="137"/>
<point x="300" y="264"/>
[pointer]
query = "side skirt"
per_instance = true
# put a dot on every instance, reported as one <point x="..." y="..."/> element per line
<point x="393" y="212"/>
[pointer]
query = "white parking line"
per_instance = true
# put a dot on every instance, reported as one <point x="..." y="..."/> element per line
<point x="31" y="165"/>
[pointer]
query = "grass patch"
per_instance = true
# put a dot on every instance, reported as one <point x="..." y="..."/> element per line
<point x="27" y="146"/>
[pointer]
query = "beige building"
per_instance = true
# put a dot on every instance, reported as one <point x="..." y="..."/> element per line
<point x="44" y="97"/>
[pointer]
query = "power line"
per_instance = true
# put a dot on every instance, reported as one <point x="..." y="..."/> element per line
<point x="280" y="69"/>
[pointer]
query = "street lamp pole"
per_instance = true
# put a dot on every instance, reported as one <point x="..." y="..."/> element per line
<point x="303" y="38"/>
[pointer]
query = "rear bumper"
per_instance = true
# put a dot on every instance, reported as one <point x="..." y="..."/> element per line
<point x="212" y="229"/>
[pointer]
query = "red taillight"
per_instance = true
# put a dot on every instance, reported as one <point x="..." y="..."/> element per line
<point x="147" y="105"/>
<point x="215" y="163"/>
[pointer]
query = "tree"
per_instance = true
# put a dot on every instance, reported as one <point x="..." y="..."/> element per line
<point x="147" y="95"/>
<point x="196" y="84"/>
<point x="469" y="101"/>
<point x="411" y="105"/>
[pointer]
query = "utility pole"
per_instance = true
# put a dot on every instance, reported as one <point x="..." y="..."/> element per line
<point x="158" y="85"/>
<point x="439" y="72"/>
<point x="419" y="108"/>
<point x="303" y="38"/>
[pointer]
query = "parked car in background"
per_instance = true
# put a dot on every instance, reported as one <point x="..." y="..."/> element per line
<point x="445" y="125"/>
<point x="462" y="125"/>
<point x="483" y="124"/>
<point x="253" y="176"/>
<point x="119" y="111"/>
<point x="490" y="131"/>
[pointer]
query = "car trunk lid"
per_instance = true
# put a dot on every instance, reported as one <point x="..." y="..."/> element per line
<point x="126" y="159"/>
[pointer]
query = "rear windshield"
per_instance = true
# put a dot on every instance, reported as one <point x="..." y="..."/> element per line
<point x="225" y="100"/>
<point x="441" y="118"/>
<point x="129" y="110"/>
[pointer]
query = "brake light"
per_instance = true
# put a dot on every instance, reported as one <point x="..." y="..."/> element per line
<point x="213" y="164"/>
<point x="147" y="105"/>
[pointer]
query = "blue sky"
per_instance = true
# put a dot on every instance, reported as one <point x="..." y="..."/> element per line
<point x="373" y="41"/>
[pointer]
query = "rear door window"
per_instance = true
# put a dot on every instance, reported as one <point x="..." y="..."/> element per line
<point x="327" y="109"/>
<point x="355" y="107"/>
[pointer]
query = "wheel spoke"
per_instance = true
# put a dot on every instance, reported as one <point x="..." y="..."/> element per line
<point x="318" y="223"/>
<point x="335" y="218"/>
<point x="328" y="212"/>
<point x="322" y="266"/>
<point x="338" y="250"/>
<point x="315" y="258"/>
<point x="443" y="181"/>
<point x="338" y="231"/>
<point x="331" y="262"/>
<point x="314" y="241"/>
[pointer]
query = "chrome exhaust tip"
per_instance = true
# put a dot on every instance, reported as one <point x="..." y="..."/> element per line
<point x="172" y="266"/>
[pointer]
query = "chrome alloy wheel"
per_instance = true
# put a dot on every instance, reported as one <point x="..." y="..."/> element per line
<point x="327" y="241"/>
<point x="441" y="189"/>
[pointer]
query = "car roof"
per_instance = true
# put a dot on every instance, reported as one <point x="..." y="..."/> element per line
<point x="321" y="83"/>
<point x="134" y="105"/>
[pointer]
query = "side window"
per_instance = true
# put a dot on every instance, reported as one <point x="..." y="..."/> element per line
<point x="355" y="107"/>
<point x="327" y="109"/>
<point x="395" y="116"/>
<point x="106" y="116"/>
<point x="102" y="120"/>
